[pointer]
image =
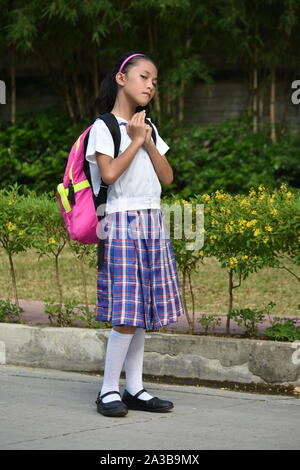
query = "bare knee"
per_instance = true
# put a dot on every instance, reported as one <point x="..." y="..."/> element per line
<point x="126" y="329"/>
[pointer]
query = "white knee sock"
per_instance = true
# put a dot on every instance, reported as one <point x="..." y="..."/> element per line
<point x="134" y="365"/>
<point x="117" y="347"/>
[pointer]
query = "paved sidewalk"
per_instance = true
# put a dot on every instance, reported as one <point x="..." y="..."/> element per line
<point x="34" y="314"/>
<point x="48" y="409"/>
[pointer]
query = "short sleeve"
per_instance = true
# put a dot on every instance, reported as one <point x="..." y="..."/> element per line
<point x="161" y="145"/>
<point x="100" y="140"/>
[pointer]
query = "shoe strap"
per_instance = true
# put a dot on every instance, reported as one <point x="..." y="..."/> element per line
<point x="140" y="393"/>
<point x="109" y="393"/>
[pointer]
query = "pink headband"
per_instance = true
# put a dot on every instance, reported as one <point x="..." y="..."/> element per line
<point x="126" y="60"/>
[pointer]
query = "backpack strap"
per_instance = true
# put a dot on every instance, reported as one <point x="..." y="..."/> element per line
<point x="153" y="130"/>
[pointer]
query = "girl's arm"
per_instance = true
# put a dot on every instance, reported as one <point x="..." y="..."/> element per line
<point x="160" y="163"/>
<point x="112" y="168"/>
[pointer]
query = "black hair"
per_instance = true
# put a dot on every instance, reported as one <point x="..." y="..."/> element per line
<point x="109" y="87"/>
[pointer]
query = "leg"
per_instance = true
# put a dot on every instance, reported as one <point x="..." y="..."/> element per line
<point x="117" y="347"/>
<point x="134" y="365"/>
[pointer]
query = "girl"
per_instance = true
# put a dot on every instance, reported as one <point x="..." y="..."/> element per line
<point x="138" y="285"/>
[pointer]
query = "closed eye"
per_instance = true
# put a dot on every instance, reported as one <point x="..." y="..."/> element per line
<point x="146" y="78"/>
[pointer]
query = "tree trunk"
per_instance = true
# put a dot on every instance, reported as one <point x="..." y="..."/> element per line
<point x="272" y="106"/>
<point x="59" y="288"/>
<point x="230" y="289"/>
<point x="13" y="86"/>
<point x="184" y="303"/>
<point x="68" y="100"/>
<point x="84" y="283"/>
<point x="181" y="102"/>
<point x="78" y="93"/>
<point x="255" y="98"/>
<point x="261" y="106"/>
<point x="96" y="77"/>
<point x="13" y="278"/>
<point x="157" y="109"/>
<point x="193" y="305"/>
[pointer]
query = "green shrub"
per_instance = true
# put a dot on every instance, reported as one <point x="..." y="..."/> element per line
<point x="283" y="329"/>
<point x="34" y="151"/>
<point x="229" y="157"/>
<point x="9" y="312"/>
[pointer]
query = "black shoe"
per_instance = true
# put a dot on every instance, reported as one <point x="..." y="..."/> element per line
<point x="154" y="404"/>
<point x="113" y="408"/>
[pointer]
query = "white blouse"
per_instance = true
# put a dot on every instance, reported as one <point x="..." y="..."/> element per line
<point x="138" y="187"/>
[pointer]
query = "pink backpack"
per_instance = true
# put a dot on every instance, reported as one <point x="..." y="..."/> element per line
<point x="77" y="201"/>
<point x="75" y="196"/>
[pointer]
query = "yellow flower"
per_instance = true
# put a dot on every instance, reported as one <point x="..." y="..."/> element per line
<point x="273" y="211"/>
<point x="244" y="202"/>
<point x="283" y="187"/>
<point x="265" y="239"/>
<point x="201" y="253"/>
<point x="232" y="262"/>
<point x="242" y="221"/>
<point x="214" y="222"/>
<point x="213" y="238"/>
<point x="256" y="232"/>
<point x="251" y="222"/>
<point x="228" y="228"/>
<point x="10" y="226"/>
<point x="254" y="212"/>
<point x="261" y="197"/>
<point x="252" y="193"/>
<point x="206" y="197"/>
<point x="268" y="228"/>
<point x="219" y="194"/>
<point x="261" y="187"/>
<point x="52" y="240"/>
<point x="289" y="195"/>
<point x="245" y="257"/>
<point x="21" y="232"/>
<point x="10" y="202"/>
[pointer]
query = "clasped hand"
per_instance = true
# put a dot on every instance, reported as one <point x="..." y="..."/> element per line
<point x="137" y="129"/>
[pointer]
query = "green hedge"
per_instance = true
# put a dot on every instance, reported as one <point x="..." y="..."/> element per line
<point x="225" y="156"/>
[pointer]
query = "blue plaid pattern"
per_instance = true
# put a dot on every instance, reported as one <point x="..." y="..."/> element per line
<point x="138" y="283"/>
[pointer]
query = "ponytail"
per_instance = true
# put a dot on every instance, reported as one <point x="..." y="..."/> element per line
<point x="109" y="88"/>
<point x="107" y="95"/>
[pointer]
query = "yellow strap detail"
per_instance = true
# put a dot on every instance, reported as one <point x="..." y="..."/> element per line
<point x="63" y="192"/>
<point x="77" y="144"/>
<point x="70" y="172"/>
<point x="83" y="184"/>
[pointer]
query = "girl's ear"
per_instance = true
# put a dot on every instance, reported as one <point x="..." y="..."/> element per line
<point x="120" y="78"/>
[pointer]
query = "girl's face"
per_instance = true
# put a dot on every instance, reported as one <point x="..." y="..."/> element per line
<point x="140" y="82"/>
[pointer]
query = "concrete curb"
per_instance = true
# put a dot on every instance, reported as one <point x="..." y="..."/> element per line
<point x="180" y="356"/>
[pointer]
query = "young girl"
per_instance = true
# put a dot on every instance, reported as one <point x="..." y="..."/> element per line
<point x="138" y="285"/>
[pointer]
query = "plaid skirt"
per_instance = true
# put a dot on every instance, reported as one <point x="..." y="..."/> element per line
<point x="138" y="283"/>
